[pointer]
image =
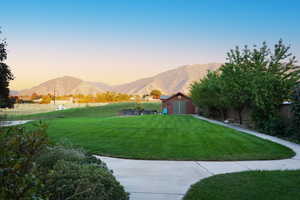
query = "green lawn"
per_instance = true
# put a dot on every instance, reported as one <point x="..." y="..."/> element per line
<point x="253" y="185"/>
<point x="88" y="112"/>
<point x="100" y="131"/>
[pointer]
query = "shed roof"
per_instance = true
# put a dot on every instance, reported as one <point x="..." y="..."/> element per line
<point x="169" y="97"/>
<point x="163" y="97"/>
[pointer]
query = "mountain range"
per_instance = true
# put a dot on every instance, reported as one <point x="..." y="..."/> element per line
<point x="169" y="82"/>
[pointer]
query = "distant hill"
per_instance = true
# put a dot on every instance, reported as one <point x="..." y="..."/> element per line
<point x="168" y="82"/>
<point x="103" y="86"/>
<point x="64" y="86"/>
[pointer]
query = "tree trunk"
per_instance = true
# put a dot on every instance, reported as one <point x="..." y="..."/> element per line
<point x="240" y="115"/>
<point x="224" y="114"/>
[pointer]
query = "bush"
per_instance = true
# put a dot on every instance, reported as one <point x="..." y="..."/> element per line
<point x="18" y="169"/>
<point x="71" y="180"/>
<point x="139" y="107"/>
<point x="296" y="112"/>
<point x="51" y="155"/>
<point x="2" y="119"/>
<point x="71" y="173"/>
<point x="32" y="169"/>
<point x="273" y="126"/>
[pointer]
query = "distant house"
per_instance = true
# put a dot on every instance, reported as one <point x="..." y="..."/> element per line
<point x="69" y="100"/>
<point x="61" y="102"/>
<point x="37" y="100"/>
<point x="178" y="103"/>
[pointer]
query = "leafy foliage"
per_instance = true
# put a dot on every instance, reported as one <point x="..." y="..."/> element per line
<point x="70" y="173"/>
<point x="18" y="169"/>
<point x="102" y="97"/>
<point x="46" y="99"/>
<point x="209" y="93"/>
<point x="156" y="94"/>
<point x="5" y="76"/>
<point x="32" y="169"/>
<point x="259" y="79"/>
<point x="296" y="111"/>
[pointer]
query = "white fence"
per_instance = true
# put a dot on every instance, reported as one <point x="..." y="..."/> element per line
<point x="25" y="109"/>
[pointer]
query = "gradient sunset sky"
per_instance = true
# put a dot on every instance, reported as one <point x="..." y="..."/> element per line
<point x="120" y="41"/>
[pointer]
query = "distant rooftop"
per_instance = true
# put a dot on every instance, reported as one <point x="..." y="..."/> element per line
<point x="163" y="97"/>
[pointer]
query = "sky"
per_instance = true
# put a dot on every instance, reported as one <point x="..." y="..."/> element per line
<point x="118" y="41"/>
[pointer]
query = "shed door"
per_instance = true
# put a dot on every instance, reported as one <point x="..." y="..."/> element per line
<point x="179" y="107"/>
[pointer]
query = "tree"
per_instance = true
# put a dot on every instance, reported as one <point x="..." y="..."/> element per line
<point x="155" y="94"/>
<point x="236" y="75"/>
<point x="208" y="92"/>
<point x="259" y="79"/>
<point x="46" y="99"/>
<point x="5" y="76"/>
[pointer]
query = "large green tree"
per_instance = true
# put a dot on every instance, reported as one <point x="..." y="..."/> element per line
<point x="236" y="75"/>
<point x="5" y="75"/>
<point x="259" y="78"/>
<point x="209" y="92"/>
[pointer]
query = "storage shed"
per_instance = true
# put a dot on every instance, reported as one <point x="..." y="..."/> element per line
<point x="178" y="103"/>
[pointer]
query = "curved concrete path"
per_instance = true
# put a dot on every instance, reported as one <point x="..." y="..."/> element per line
<point x="13" y="123"/>
<point x="170" y="180"/>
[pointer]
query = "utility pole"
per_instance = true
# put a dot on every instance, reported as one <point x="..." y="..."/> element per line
<point x="54" y="96"/>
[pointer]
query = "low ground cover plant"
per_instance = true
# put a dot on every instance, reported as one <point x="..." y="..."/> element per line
<point x="32" y="168"/>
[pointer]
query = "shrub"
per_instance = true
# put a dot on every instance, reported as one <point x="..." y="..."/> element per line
<point x="46" y="99"/>
<point x="32" y="169"/>
<point x="18" y="169"/>
<point x="2" y="119"/>
<point x="51" y="155"/>
<point x="273" y="126"/>
<point x="138" y="107"/>
<point x="71" y="173"/>
<point x="71" y="180"/>
<point x="296" y="112"/>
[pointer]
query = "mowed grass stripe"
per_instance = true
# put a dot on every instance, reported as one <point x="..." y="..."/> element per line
<point x="160" y="137"/>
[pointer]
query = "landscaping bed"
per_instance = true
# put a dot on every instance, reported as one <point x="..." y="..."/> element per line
<point x="138" y="112"/>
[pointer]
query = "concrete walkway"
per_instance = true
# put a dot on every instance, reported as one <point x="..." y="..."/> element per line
<point x="170" y="180"/>
<point x="13" y="123"/>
